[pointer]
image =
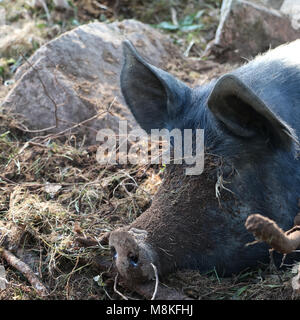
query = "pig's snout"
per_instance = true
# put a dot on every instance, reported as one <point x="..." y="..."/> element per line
<point x="125" y="259"/>
<point x="132" y="254"/>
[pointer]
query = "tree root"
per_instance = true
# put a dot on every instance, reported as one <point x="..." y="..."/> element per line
<point x="25" y="270"/>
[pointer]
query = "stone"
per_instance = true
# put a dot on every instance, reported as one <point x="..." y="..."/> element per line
<point x="275" y="4"/>
<point x="247" y="29"/>
<point x="75" y="77"/>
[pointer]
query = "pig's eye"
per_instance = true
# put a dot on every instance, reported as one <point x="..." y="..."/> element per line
<point x="133" y="259"/>
<point x="113" y="252"/>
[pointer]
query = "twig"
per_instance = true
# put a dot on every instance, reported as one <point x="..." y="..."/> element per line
<point x="116" y="8"/>
<point x="25" y="270"/>
<point x="174" y="16"/>
<point x="7" y="180"/>
<point x="42" y="3"/>
<point x="156" y="281"/>
<point x="101" y="6"/>
<point x="115" y="288"/>
<point x="33" y="131"/>
<point x="56" y="135"/>
<point x="69" y="277"/>
<point x="188" y="49"/>
<point x="161" y="293"/>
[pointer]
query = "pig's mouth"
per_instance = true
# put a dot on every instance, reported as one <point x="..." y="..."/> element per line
<point x="132" y="254"/>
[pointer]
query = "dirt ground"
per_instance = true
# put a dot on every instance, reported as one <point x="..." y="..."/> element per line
<point x="53" y="191"/>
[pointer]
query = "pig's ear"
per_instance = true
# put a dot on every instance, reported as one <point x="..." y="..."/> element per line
<point x="245" y="114"/>
<point x="153" y="95"/>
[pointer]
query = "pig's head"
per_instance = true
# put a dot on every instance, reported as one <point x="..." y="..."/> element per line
<point x="198" y="221"/>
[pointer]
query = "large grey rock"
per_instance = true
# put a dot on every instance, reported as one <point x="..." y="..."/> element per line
<point x="76" y="76"/>
<point x="247" y="28"/>
<point x="275" y="4"/>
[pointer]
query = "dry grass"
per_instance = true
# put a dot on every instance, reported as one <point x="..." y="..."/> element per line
<point x="47" y="190"/>
<point x="24" y="39"/>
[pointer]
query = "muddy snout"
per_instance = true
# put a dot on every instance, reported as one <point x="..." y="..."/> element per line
<point x="132" y="254"/>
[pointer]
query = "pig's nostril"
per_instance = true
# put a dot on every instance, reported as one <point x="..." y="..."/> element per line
<point x="133" y="259"/>
<point x="113" y="252"/>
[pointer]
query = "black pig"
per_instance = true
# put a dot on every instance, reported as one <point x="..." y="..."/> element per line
<point x="251" y="126"/>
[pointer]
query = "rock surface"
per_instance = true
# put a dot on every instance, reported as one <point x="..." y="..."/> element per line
<point x="275" y="4"/>
<point x="75" y="77"/>
<point x="247" y="28"/>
